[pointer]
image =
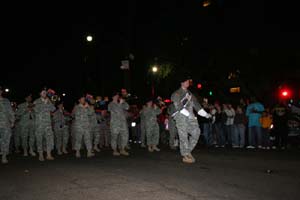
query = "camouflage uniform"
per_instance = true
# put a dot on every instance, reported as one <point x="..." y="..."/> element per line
<point x="118" y="124"/>
<point x="104" y="130"/>
<point x="143" y="128"/>
<point x="172" y="126"/>
<point x="61" y="130"/>
<point x="151" y="125"/>
<point x="27" y="125"/>
<point x="17" y="134"/>
<point x="43" y="125"/>
<point x="186" y="122"/>
<point x="7" y="119"/>
<point x="82" y="127"/>
<point x="95" y="128"/>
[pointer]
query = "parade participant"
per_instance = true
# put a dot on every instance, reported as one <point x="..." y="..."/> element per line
<point x="143" y="129"/>
<point x="118" y="124"/>
<point x="82" y="127"/>
<point x="27" y="125"/>
<point x="61" y="129"/>
<point x="151" y="125"/>
<point x="187" y="125"/>
<point x="43" y="125"/>
<point x="7" y="120"/>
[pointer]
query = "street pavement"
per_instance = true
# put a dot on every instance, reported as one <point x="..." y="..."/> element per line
<point x="217" y="174"/>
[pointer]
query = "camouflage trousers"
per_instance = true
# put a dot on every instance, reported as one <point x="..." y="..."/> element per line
<point x="188" y="132"/>
<point x="173" y="133"/>
<point x="61" y="137"/>
<point x="5" y="135"/>
<point x="82" y="132"/>
<point x="119" y="135"/>
<point x="28" y="136"/>
<point x="152" y="133"/>
<point x="143" y="133"/>
<point x="44" y="138"/>
<point x="17" y="134"/>
<point x="104" y="136"/>
<point x="95" y="135"/>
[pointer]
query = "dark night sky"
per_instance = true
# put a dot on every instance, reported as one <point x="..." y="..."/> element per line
<point x="48" y="40"/>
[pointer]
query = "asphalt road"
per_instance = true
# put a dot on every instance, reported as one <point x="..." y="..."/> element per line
<point x="217" y="174"/>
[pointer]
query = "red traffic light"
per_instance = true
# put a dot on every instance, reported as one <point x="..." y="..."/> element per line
<point x="285" y="93"/>
<point x="199" y="85"/>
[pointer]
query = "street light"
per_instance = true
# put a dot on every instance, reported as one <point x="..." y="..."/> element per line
<point x="6" y="90"/>
<point x="154" y="69"/>
<point x="89" y="38"/>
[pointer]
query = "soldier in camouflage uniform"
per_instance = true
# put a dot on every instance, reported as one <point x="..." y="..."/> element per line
<point x="95" y="128"/>
<point x="186" y="122"/>
<point x="104" y="128"/>
<point x="61" y="129"/>
<point x="43" y="125"/>
<point x="82" y="127"/>
<point x="151" y="125"/>
<point x="143" y="129"/>
<point x="27" y="125"/>
<point x="7" y="120"/>
<point x="173" y="133"/>
<point x="118" y="125"/>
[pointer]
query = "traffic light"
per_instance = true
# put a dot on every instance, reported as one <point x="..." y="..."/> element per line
<point x="199" y="86"/>
<point x="285" y="93"/>
<point x="210" y="93"/>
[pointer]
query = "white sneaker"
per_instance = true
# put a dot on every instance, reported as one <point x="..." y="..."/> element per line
<point x="268" y="148"/>
<point x="250" y="147"/>
<point x="273" y="147"/>
<point x="259" y="146"/>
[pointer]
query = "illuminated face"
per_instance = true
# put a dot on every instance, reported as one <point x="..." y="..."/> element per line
<point x="82" y="100"/>
<point x="185" y="84"/>
<point x="29" y="99"/>
<point x="115" y="98"/>
<point x="44" y="94"/>
<point x="149" y="103"/>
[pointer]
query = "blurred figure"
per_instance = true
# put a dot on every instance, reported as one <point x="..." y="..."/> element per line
<point x="7" y="120"/>
<point x="266" y="121"/>
<point x="118" y="125"/>
<point x="239" y="128"/>
<point x="61" y="129"/>
<point x="43" y="125"/>
<point x="143" y="129"/>
<point x="253" y="112"/>
<point x="280" y="122"/>
<point x="173" y="133"/>
<point x="151" y="125"/>
<point x="26" y="115"/>
<point x="228" y="127"/>
<point x="82" y="127"/>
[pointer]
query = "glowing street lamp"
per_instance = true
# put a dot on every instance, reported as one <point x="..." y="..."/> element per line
<point x="6" y="90"/>
<point x="89" y="38"/>
<point x="154" y="69"/>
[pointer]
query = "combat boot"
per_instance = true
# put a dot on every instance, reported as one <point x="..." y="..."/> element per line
<point x="155" y="148"/>
<point x="59" y="152"/>
<point x="124" y="152"/>
<point x="32" y="153"/>
<point x="187" y="160"/>
<point x="90" y="154"/>
<point x="25" y="153"/>
<point x="191" y="157"/>
<point x="41" y="156"/>
<point x="150" y="148"/>
<point x="116" y="153"/>
<point x="96" y="148"/>
<point x="4" y="159"/>
<point x="49" y="156"/>
<point x="64" y="150"/>
<point x="78" y="154"/>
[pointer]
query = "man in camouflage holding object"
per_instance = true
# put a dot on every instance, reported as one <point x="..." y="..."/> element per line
<point x="186" y="122"/>
<point x="43" y="108"/>
<point x="118" y="124"/>
<point x="27" y="125"/>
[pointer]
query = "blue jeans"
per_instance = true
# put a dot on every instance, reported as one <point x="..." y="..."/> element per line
<point x="207" y="133"/>
<point x="255" y="136"/>
<point x="229" y="131"/>
<point x="238" y="138"/>
<point x="218" y="127"/>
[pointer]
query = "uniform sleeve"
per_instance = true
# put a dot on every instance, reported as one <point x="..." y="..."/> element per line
<point x="197" y="105"/>
<point x="125" y="106"/>
<point x="157" y="111"/>
<point x="21" y="110"/>
<point x="176" y="101"/>
<point x="10" y="112"/>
